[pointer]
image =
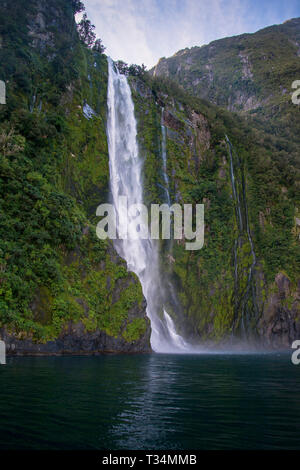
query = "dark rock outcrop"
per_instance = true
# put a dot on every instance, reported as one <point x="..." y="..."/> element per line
<point x="280" y="324"/>
<point x="75" y="340"/>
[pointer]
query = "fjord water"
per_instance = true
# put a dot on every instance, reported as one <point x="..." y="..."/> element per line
<point x="154" y="401"/>
<point x="126" y="179"/>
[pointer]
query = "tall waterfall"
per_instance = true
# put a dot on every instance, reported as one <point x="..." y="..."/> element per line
<point x="126" y="167"/>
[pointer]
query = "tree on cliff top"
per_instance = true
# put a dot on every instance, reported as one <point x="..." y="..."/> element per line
<point x="98" y="46"/>
<point x="78" y="6"/>
<point x="86" y="31"/>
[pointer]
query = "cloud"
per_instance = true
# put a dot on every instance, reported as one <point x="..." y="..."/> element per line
<point x="142" y="31"/>
<point x="122" y="27"/>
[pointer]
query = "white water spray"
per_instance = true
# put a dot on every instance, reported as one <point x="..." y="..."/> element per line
<point x="126" y="180"/>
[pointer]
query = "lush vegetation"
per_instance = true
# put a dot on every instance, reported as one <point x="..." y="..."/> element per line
<point x="198" y="168"/>
<point x="53" y="175"/>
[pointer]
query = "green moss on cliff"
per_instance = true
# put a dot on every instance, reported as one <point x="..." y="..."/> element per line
<point x="53" y="174"/>
<point x="212" y="284"/>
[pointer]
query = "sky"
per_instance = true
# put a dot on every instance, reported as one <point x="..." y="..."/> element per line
<point x="143" y="31"/>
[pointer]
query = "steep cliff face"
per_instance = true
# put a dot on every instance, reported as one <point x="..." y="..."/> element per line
<point x="64" y="291"/>
<point x="61" y="289"/>
<point x="241" y="73"/>
<point x="229" y="291"/>
<point x="252" y="75"/>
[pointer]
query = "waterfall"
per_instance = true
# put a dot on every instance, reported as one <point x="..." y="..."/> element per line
<point x="241" y="208"/>
<point x="126" y="179"/>
<point x="164" y="157"/>
<point x="234" y="190"/>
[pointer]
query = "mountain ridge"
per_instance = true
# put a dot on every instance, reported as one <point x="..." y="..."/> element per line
<point x="237" y="64"/>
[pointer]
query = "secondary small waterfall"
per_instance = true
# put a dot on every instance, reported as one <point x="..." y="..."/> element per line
<point x="248" y="293"/>
<point x="164" y="158"/>
<point x="126" y="167"/>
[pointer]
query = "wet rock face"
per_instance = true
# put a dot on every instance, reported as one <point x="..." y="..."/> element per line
<point x="283" y="329"/>
<point x="283" y="285"/>
<point x="280" y="324"/>
<point x="171" y="121"/>
<point x="75" y="340"/>
<point x="141" y="88"/>
<point x="203" y="136"/>
<point x="45" y="19"/>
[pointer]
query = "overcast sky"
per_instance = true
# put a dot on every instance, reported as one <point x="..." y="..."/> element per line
<point x="142" y="31"/>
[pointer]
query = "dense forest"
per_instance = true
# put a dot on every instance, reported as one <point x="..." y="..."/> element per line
<point x="64" y="290"/>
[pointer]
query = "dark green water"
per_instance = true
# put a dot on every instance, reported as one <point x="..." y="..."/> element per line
<point x="150" y="402"/>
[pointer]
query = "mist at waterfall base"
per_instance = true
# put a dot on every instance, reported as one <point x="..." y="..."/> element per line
<point x="126" y="167"/>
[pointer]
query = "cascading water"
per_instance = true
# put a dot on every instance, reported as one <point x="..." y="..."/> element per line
<point x="140" y="254"/>
<point x="164" y="158"/>
<point x="243" y="224"/>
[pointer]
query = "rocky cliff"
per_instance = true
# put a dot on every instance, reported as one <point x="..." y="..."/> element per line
<point x="244" y="283"/>
<point x="252" y="283"/>
<point x="64" y="291"/>
<point x="61" y="289"/>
